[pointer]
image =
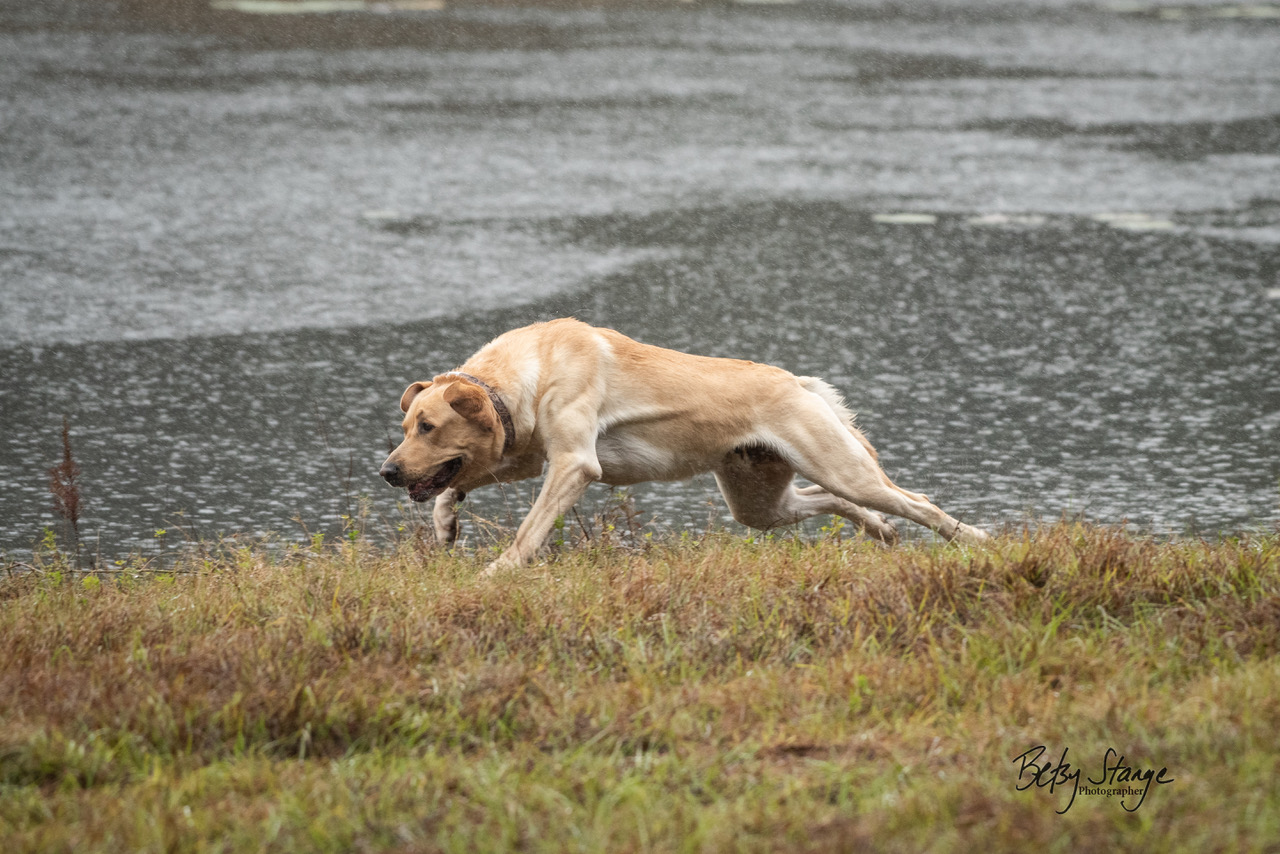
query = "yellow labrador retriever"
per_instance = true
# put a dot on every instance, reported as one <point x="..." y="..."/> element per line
<point x="590" y="404"/>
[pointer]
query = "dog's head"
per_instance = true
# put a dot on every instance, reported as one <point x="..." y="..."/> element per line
<point x="452" y="438"/>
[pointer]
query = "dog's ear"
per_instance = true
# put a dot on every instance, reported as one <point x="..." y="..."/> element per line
<point x="409" y="394"/>
<point x="470" y="401"/>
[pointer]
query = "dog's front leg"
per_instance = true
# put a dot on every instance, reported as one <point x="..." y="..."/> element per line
<point x="444" y="516"/>
<point x="568" y="477"/>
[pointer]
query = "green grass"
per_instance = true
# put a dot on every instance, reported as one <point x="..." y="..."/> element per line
<point x="684" y="696"/>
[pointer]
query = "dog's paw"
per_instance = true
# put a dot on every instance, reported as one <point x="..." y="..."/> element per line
<point x="504" y="562"/>
<point x="970" y="535"/>
<point x="447" y="533"/>
<point x="880" y="528"/>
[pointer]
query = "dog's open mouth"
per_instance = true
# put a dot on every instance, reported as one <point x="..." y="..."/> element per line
<point x="425" y="490"/>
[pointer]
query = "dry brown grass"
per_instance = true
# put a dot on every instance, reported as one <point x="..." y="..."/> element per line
<point x="717" y="695"/>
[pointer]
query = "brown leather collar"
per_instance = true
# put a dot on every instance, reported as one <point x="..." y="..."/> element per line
<point x="504" y="414"/>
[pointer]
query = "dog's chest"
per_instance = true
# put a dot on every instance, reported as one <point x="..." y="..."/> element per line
<point x="630" y="456"/>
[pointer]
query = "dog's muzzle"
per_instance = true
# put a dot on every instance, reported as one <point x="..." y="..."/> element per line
<point x="423" y="490"/>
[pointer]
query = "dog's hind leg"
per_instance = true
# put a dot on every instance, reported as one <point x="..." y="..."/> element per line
<point x="822" y="447"/>
<point x="757" y="485"/>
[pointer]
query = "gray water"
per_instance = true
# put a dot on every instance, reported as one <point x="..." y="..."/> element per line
<point x="228" y="241"/>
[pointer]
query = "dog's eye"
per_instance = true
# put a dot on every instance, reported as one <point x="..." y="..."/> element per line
<point x="424" y="427"/>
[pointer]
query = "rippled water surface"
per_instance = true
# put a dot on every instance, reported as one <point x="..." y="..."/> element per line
<point x="227" y="243"/>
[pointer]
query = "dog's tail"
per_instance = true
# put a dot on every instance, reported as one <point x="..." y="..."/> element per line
<point x="835" y="400"/>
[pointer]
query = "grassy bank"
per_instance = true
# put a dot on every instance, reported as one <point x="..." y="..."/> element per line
<point x="719" y="695"/>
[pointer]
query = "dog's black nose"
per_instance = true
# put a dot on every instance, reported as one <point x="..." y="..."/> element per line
<point x="390" y="471"/>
